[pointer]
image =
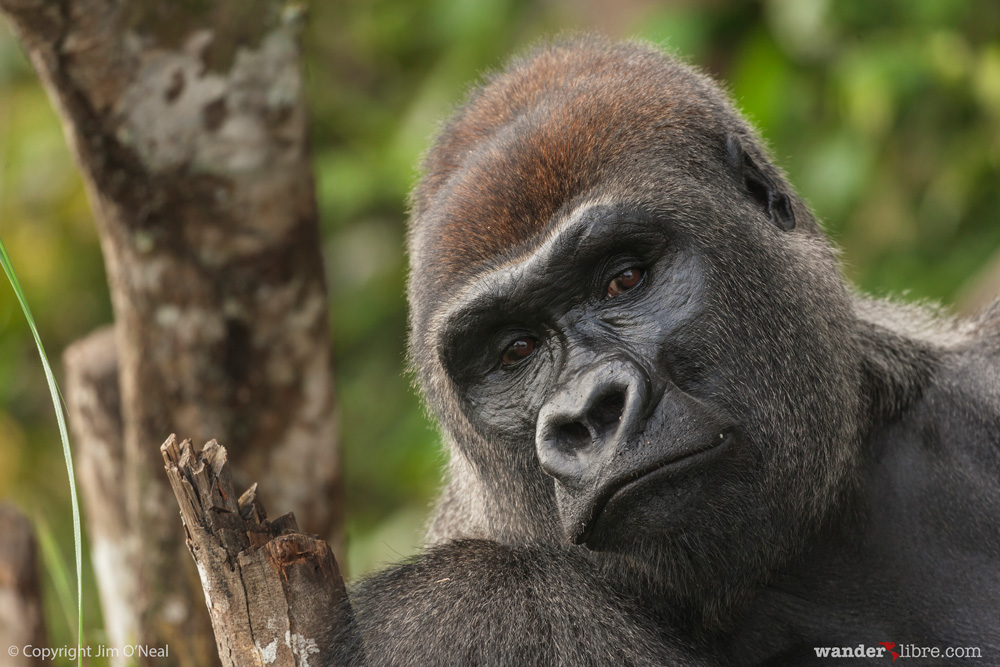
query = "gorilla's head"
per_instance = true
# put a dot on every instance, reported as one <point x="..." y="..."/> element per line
<point x="632" y="331"/>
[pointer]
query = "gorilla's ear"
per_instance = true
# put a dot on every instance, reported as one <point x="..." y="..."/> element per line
<point x="762" y="189"/>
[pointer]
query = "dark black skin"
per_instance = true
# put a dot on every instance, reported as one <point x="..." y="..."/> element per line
<point x="677" y="437"/>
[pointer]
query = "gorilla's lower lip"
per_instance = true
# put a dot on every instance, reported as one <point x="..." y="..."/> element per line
<point x="674" y="464"/>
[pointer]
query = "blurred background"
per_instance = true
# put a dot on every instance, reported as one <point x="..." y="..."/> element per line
<point x="886" y="116"/>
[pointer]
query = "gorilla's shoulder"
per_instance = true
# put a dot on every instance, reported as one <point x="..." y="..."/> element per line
<point x="964" y="394"/>
<point x="986" y="334"/>
<point x="977" y="358"/>
<point x="483" y="603"/>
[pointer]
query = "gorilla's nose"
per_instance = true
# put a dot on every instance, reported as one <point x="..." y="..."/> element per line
<point x="589" y="418"/>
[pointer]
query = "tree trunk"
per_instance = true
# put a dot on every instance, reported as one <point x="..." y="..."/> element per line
<point x="21" y="620"/>
<point x="94" y="405"/>
<point x="275" y="595"/>
<point x="189" y="123"/>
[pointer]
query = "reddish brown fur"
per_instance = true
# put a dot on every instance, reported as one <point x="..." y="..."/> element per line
<point x="543" y="134"/>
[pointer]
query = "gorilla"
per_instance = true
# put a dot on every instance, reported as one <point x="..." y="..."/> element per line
<point x="676" y="436"/>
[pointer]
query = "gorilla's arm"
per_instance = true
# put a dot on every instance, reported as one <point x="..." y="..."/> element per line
<point x="476" y="602"/>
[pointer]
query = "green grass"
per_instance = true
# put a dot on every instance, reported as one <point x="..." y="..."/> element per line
<point x="57" y="404"/>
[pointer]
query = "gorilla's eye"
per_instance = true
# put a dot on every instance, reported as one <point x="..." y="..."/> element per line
<point x="625" y="281"/>
<point x="519" y="350"/>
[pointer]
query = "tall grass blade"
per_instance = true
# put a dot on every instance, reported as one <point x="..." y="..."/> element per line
<point x="8" y="268"/>
<point x="56" y="567"/>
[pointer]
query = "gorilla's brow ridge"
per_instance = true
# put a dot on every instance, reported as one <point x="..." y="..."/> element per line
<point x="542" y="254"/>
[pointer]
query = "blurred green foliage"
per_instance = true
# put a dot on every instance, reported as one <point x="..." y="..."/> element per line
<point x="886" y="115"/>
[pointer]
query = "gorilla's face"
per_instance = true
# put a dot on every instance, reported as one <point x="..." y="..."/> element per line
<point x="670" y="365"/>
<point x="592" y="352"/>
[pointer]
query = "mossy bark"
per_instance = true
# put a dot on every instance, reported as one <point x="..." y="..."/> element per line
<point x="191" y="131"/>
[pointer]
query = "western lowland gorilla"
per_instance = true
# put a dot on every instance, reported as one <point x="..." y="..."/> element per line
<point x="677" y="437"/>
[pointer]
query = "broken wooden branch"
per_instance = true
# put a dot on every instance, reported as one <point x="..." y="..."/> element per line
<point x="275" y="595"/>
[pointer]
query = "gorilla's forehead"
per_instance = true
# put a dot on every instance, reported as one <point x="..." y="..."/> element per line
<point x="513" y="187"/>
<point x="554" y="130"/>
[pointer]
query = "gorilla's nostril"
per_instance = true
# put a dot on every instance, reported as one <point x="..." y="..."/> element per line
<point x="607" y="412"/>
<point x="573" y="435"/>
<point x="588" y="417"/>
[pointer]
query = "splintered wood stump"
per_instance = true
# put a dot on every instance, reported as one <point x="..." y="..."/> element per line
<point x="275" y="595"/>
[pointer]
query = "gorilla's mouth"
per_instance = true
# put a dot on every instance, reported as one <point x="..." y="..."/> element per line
<point x="668" y="467"/>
